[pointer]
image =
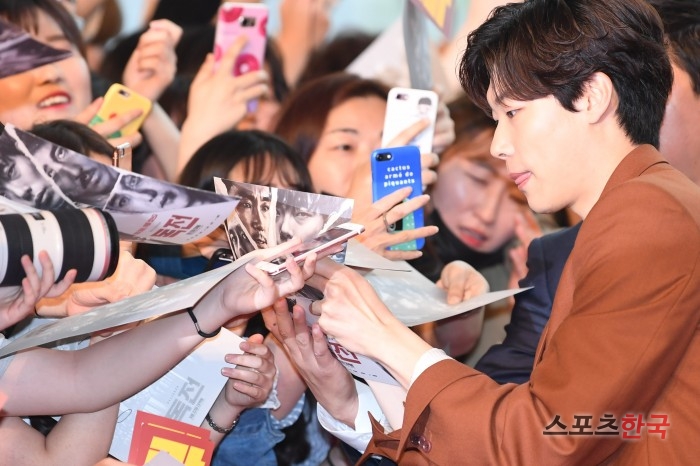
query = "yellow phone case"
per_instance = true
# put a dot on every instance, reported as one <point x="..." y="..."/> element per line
<point x="118" y="100"/>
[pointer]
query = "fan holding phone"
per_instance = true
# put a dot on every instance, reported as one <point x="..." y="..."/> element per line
<point x="394" y="168"/>
<point x="242" y="19"/>
<point x="400" y="167"/>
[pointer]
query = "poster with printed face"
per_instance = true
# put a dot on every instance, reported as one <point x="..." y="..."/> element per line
<point x="268" y="216"/>
<point x="20" y="53"/>
<point x="46" y="176"/>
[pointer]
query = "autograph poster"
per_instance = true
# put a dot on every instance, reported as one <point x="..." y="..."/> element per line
<point x="46" y="176"/>
<point x="266" y="216"/>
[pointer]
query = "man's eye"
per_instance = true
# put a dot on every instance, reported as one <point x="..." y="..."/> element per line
<point x="303" y="215"/>
<point x="9" y="171"/>
<point x="131" y="182"/>
<point x="247" y="205"/>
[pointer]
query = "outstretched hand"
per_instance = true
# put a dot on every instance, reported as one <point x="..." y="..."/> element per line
<point x="250" y="289"/>
<point x="392" y="209"/>
<point x="252" y="375"/>
<point x="218" y="100"/>
<point x="152" y="66"/>
<point x="356" y="317"/>
<point x="132" y="277"/>
<point x="461" y="281"/>
<point x="21" y="301"/>
<point x="329" y="381"/>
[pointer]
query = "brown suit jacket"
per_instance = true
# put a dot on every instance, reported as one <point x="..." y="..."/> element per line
<point x="622" y="339"/>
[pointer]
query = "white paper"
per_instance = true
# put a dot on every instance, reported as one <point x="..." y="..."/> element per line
<point x="186" y="393"/>
<point x="415" y="300"/>
<point x="360" y="256"/>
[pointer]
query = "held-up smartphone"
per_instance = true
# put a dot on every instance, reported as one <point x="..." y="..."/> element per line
<point x="248" y="19"/>
<point x="120" y="99"/>
<point x="394" y="168"/>
<point x="319" y="244"/>
<point x="405" y="107"/>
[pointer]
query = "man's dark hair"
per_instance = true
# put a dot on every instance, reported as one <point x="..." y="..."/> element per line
<point x="681" y="19"/>
<point x="539" y="48"/>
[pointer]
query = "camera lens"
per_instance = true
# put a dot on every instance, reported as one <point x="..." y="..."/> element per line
<point x="83" y="239"/>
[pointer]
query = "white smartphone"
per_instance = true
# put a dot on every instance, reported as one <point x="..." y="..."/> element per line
<point x="319" y="244"/>
<point x="404" y="107"/>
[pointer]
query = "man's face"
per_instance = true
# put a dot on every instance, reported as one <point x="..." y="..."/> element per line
<point x="297" y="222"/>
<point x="141" y="194"/>
<point x="20" y="181"/>
<point x="254" y="213"/>
<point x="543" y="146"/>
<point x="76" y="174"/>
<point x="680" y="131"/>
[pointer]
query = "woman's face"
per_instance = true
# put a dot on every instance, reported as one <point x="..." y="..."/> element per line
<point x="238" y="174"/>
<point x="474" y="203"/>
<point x="353" y="130"/>
<point x="55" y="91"/>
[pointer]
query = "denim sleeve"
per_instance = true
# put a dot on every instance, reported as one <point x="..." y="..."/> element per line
<point x="251" y="442"/>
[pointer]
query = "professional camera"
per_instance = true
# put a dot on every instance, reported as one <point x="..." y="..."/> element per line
<point x="83" y="239"/>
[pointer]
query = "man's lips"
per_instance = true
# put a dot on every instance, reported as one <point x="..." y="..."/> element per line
<point x="520" y="178"/>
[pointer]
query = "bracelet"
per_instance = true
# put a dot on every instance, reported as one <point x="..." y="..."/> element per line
<point x="220" y="429"/>
<point x="199" y="330"/>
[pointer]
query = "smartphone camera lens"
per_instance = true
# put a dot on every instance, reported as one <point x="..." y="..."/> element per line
<point x="402" y="96"/>
<point x="123" y="93"/>
<point x="247" y="21"/>
<point x="384" y="156"/>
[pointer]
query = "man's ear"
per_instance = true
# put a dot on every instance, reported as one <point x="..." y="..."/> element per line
<point x="599" y="99"/>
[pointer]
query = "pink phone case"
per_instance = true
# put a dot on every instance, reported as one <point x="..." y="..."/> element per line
<point x="249" y="19"/>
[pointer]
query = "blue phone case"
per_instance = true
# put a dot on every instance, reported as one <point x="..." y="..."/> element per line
<point x="395" y="168"/>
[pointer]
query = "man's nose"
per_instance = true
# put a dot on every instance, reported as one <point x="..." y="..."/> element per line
<point x="501" y="146"/>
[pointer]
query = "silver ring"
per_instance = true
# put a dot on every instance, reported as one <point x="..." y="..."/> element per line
<point x="388" y="227"/>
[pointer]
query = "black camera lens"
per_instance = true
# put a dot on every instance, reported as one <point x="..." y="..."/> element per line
<point x="83" y="239"/>
<point x="384" y="156"/>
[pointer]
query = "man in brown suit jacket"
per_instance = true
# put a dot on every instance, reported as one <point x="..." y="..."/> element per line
<point x="578" y="88"/>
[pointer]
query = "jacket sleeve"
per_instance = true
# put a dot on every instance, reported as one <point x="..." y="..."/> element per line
<point x="620" y="333"/>
<point x="512" y="360"/>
